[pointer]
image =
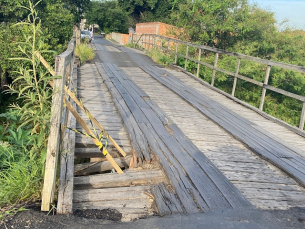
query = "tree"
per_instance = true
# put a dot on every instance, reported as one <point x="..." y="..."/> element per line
<point x="108" y="15"/>
<point x="77" y="8"/>
<point x="216" y="23"/>
<point x="149" y="10"/>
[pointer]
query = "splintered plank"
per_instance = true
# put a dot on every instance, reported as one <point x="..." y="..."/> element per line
<point x="101" y="166"/>
<point x="130" y="177"/>
<point x="165" y="200"/>
<point x="265" y="145"/>
<point x="197" y="182"/>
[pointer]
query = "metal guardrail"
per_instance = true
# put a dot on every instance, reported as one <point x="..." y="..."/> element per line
<point x="148" y="41"/>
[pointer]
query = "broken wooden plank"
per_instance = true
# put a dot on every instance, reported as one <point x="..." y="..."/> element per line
<point x="165" y="200"/>
<point x="100" y="166"/>
<point x="130" y="177"/>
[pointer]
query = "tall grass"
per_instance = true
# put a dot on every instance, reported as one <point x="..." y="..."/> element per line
<point x="24" y="128"/>
<point x="160" y="57"/>
<point x="84" y="52"/>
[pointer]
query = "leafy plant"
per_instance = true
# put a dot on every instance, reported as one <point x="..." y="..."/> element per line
<point x="24" y="136"/>
<point x="160" y="57"/>
<point x="84" y="52"/>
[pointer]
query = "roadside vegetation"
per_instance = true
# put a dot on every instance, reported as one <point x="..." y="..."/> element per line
<point x="160" y="57"/>
<point x="84" y="52"/>
<point x="27" y="28"/>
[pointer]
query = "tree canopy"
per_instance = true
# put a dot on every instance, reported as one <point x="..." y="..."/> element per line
<point x="108" y="16"/>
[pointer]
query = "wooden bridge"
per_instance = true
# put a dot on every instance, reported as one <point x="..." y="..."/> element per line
<point x="190" y="148"/>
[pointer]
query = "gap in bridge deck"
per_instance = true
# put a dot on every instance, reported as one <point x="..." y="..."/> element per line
<point x="263" y="184"/>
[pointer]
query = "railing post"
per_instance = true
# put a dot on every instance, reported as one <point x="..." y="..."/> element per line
<point x="141" y="38"/>
<point x="160" y="43"/>
<point x="214" y="68"/>
<point x="302" y="120"/>
<point x="168" y="44"/>
<point x="198" y="65"/>
<point x="54" y="137"/>
<point x="155" y="42"/>
<point x="235" y="77"/>
<point x="176" y="53"/>
<point x="187" y="54"/>
<point x="261" y="105"/>
<point x="77" y="37"/>
<point x="150" y="44"/>
<point x="145" y="41"/>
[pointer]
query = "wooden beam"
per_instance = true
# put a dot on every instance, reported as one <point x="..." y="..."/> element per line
<point x="264" y="89"/>
<point x="53" y="139"/>
<point x="65" y="190"/>
<point x="198" y="65"/>
<point x="214" y="69"/>
<point x="235" y="77"/>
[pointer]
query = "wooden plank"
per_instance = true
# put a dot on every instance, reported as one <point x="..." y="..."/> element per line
<point x="145" y="177"/>
<point x="65" y="191"/>
<point x="108" y="194"/>
<point x="125" y="206"/>
<point x="96" y="153"/>
<point x="165" y="200"/>
<point x="100" y="166"/>
<point x="130" y="102"/>
<point x="137" y="137"/>
<point x="53" y="139"/>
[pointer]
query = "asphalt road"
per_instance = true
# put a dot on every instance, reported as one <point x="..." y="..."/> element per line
<point x="126" y="58"/>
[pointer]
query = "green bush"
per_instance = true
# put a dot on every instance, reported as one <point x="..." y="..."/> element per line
<point x="84" y="52"/>
<point x="160" y="57"/>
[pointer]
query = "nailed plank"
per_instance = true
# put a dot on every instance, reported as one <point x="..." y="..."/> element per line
<point x="165" y="200"/>
<point x="130" y="177"/>
<point x="65" y="191"/>
<point x="53" y="140"/>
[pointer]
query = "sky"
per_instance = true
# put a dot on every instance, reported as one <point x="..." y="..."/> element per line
<point x="293" y="10"/>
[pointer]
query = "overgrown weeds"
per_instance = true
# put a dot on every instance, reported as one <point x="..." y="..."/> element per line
<point x="24" y="128"/>
<point x="84" y="52"/>
<point x="160" y="58"/>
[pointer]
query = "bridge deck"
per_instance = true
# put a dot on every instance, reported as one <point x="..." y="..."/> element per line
<point x="205" y="165"/>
